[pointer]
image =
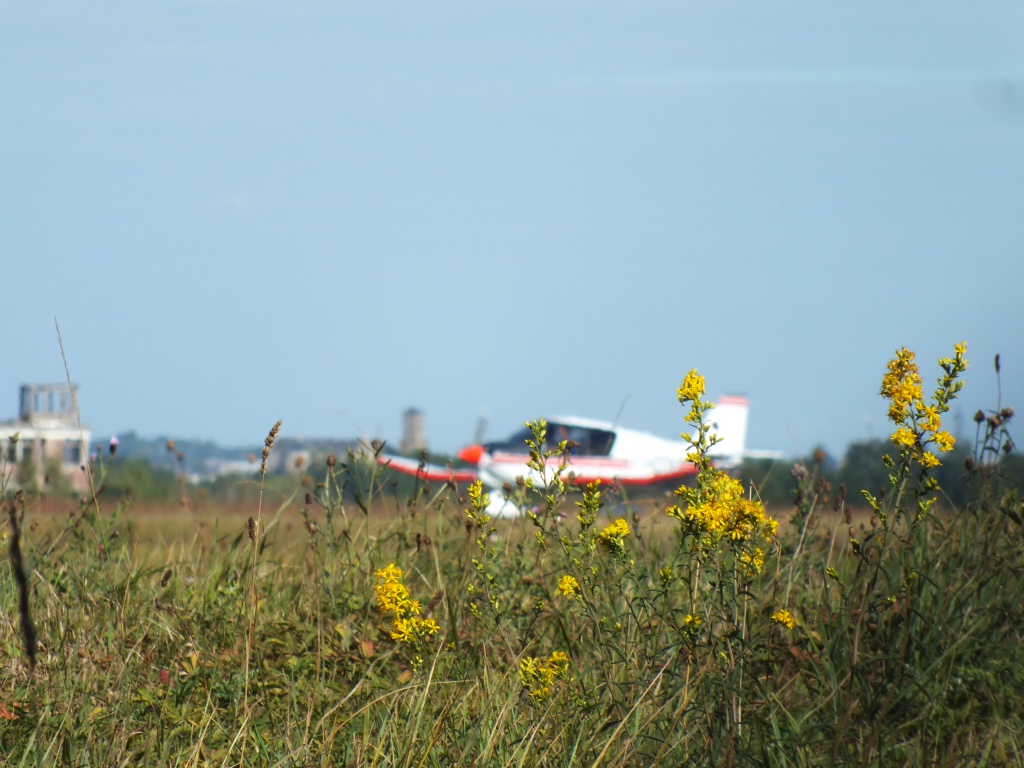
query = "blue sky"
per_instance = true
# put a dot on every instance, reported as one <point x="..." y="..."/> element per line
<point x="327" y="212"/>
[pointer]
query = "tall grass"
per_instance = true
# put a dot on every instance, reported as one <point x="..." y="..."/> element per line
<point x="585" y="633"/>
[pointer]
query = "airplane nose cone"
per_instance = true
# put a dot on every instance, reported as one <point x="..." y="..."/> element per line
<point x="472" y="454"/>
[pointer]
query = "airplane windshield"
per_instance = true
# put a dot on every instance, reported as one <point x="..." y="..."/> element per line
<point x="584" y="441"/>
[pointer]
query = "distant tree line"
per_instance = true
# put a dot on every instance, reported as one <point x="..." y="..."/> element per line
<point x="861" y="468"/>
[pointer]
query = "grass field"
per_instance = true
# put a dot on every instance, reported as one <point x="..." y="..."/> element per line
<point x="348" y="627"/>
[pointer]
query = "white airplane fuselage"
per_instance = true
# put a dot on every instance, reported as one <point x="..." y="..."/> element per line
<point x="597" y="450"/>
<point x="628" y="456"/>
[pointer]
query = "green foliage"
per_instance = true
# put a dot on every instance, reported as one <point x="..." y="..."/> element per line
<point x="567" y="637"/>
<point x="55" y="482"/>
<point x="138" y="479"/>
<point x="771" y="480"/>
<point x="28" y="477"/>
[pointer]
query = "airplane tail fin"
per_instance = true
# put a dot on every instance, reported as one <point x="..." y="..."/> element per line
<point x="729" y="422"/>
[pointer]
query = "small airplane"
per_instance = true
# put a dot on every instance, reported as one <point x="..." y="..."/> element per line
<point x="599" y="450"/>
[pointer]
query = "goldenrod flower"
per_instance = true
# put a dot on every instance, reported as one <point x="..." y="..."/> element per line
<point x="389" y="574"/>
<point x="392" y="596"/>
<point x="944" y="441"/>
<point x="785" y="618"/>
<point x="413" y="629"/>
<point x="752" y="562"/>
<point x="907" y="408"/>
<point x="904" y="437"/>
<point x="559" y="662"/>
<point x="477" y="497"/>
<point x="393" y="599"/>
<point x="402" y="630"/>
<point x="617" y="530"/>
<point x="537" y="674"/>
<point x="726" y="512"/>
<point x="613" y="536"/>
<point x="930" y="419"/>
<point x="430" y="626"/>
<point x="902" y="384"/>
<point x="568" y="586"/>
<point x="691" y="388"/>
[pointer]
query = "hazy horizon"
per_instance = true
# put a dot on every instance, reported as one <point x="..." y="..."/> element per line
<point x="329" y="212"/>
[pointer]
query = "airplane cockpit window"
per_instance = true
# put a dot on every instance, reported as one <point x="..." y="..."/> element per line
<point x="514" y="444"/>
<point x="584" y="441"/>
<point x="601" y="441"/>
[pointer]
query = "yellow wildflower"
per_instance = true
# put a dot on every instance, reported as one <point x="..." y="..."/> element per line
<point x="613" y="536"/>
<point x="901" y="385"/>
<point x="393" y="599"/>
<point x="944" y="441"/>
<point x="413" y="629"/>
<point x="904" y="437"/>
<point x="726" y="512"/>
<point x="402" y="630"/>
<point x="537" y="674"/>
<point x="389" y="574"/>
<point x="559" y="662"/>
<point x="692" y="620"/>
<point x="568" y="586"/>
<point x="691" y="388"/>
<point x="430" y="626"/>
<point x="930" y="419"/>
<point x="785" y="618"/>
<point x="752" y="562"/>
<point x="928" y="460"/>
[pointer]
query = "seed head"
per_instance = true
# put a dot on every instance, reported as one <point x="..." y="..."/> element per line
<point x="268" y="443"/>
<point x="435" y="600"/>
<point x="252" y="530"/>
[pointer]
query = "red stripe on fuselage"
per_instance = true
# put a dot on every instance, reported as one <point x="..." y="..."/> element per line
<point x="653" y="480"/>
<point x="592" y="466"/>
<point x="555" y="461"/>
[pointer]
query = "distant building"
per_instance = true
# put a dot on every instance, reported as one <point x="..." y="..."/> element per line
<point x="414" y="437"/>
<point x="48" y="435"/>
<point x="299" y="454"/>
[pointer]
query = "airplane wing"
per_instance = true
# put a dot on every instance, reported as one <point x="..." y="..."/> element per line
<point x="424" y="471"/>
